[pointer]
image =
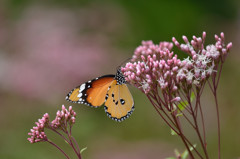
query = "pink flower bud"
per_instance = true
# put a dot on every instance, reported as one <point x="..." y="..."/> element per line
<point x="194" y="57"/>
<point x="58" y="113"/>
<point x="224" y="51"/>
<point x="46" y="115"/>
<point x="204" y="35"/>
<point x="154" y="57"/>
<point x="147" y="69"/>
<point x="73" y="120"/>
<point x="70" y="108"/>
<point x="133" y="76"/>
<point x="143" y="58"/>
<point x="175" y="42"/>
<point x="175" y="69"/>
<point x="63" y="108"/>
<point x="199" y="40"/>
<point x="185" y="39"/>
<point x="229" y="46"/>
<point x="193" y="43"/>
<point x="175" y="88"/>
<point x="177" y="99"/>
<point x="222" y="35"/>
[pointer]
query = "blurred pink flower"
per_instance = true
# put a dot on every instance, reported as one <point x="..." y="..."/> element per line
<point x="51" y="54"/>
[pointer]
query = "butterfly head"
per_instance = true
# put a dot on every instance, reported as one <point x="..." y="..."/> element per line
<point x="120" y="77"/>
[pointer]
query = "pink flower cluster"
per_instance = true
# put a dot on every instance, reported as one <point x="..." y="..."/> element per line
<point x="37" y="132"/>
<point x="155" y="66"/>
<point x="152" y="65"/>
<point x="63" y="117"/>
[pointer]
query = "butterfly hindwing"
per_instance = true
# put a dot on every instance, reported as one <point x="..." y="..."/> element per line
<point x="91" y="93"/>
<point x="119" y="103"/>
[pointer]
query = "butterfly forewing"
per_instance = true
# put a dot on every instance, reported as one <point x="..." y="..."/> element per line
<point x="119" y="102"/>
<point x="91" y="93"/>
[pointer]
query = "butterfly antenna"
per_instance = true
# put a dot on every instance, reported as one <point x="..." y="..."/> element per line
<point x="124" y="62"/>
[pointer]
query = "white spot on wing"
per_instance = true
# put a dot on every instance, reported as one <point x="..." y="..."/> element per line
<point x="79" y="95"/>
<point x="82" y="87"/>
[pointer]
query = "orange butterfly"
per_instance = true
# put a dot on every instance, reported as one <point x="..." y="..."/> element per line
<point x="110" y="90"/>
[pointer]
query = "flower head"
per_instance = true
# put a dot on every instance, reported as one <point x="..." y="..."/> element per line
<point x="151" y="66"/>
<point x="37" y="132"/>
<point x="174" y="86"/>
<point x="155" y="66"/>
<point x="63" y="117"/>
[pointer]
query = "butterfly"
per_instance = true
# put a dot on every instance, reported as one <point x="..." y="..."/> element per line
<point x="108" y="90"/>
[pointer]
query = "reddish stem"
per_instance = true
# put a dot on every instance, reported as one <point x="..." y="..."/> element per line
<point x="197" y="127"/>
<point x="218" y="121"/>
<point x="71" y="143"/>
<point x="214" y="90"/>
<point x="58" y="148"/>
<point x="203" y="125"/>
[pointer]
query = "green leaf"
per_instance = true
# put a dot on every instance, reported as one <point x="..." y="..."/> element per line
<point x="184" y="154"/>
<point x="171" y="158"/>
<point x="179" y="114"/>
<point x="66" y="142"/>
<point x="173" y="132"/>
<point x="182" y="105"/>
<point x="83" y="149"/>
<point x="177" y="153"/>
<point x="191" y="148"/>
<point x="192" y="96"/>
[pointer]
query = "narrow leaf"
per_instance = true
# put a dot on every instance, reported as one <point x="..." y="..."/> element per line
<point x="182" y="105"/>
<point x="83" y="149"/>
<point x="191" y="148"/>
<point x="173" y="132"/>
<point x="177" y="153"/>
<point x="192" y="96"/>
<point x="184" y="154"/>
<point x="179" y="114"/>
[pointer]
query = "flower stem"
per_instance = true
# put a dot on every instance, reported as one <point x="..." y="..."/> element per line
<point x="215" y="81"/>
<point x="203" y="125"/>
<point x="59" y="134"/>
<point x="166" y="121"/>
<point x="182" y="136"/>
<point x="58" y="148"/>
<point x="70" y="140"/>
<point x="76" y="144"/>
<point x="218" y="121"/>
<point x="197" y="127"/>
<point x="193" y="147"/>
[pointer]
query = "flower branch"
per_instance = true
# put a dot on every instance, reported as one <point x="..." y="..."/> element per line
<point x="170" y="83"/>
<point x="61" y="125"/>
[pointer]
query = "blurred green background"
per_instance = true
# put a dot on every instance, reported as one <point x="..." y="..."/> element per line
<point x="47" y="47"/>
